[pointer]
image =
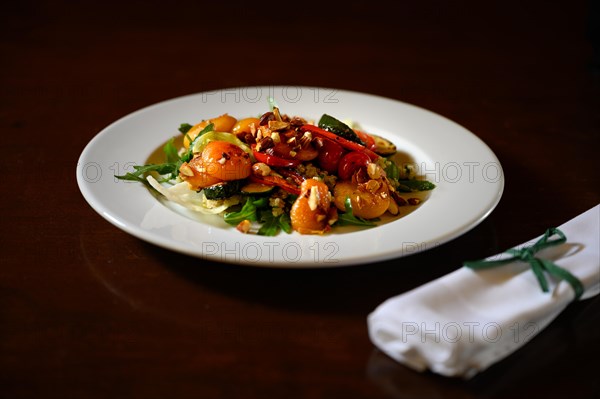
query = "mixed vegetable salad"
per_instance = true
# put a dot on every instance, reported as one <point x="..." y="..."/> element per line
<point x="275" y="172"/>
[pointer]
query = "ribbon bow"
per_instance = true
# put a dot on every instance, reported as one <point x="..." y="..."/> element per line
<point x="538" y="266"/>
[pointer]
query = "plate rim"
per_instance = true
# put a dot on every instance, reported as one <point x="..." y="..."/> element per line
<point x="153" y="237"/>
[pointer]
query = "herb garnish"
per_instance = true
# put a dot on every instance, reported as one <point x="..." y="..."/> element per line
<point x="348" y="218"/>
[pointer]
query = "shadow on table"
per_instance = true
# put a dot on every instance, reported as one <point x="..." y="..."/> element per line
<point x="353" y="289"/>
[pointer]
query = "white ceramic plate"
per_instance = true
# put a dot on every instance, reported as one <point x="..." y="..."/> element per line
<point x="468" y="176"/>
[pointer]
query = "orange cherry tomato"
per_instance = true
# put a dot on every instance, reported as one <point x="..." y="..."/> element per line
<point x="194" y="174"/>
<point x="226" y="161"/>
<point x="309" y="213"/>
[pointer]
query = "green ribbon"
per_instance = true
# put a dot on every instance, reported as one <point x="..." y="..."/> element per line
<point x="538" y="266"/>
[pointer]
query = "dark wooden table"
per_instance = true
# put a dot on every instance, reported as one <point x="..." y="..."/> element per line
<point x="89" y="311"/>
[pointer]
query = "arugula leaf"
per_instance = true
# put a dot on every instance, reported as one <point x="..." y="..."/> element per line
<point x="140" y="171"/>
<point x="348" y="218"/>
<point x="272" y="225"/>
<point x="260" y="202"/>
<point x="408" y="186"/>
<point x="172" y="164"/>
<point x="184" y="128"/>
<point x="170" y="167"/>
<point x="248" y="212"/>
<point x="257" y="209"/>
<point x="285" y="222"/>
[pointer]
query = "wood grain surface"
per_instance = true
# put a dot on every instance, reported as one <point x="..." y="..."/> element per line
<point x="88" y="311"/>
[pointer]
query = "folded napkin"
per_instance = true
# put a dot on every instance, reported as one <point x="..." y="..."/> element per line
<point x="462" y="323"/>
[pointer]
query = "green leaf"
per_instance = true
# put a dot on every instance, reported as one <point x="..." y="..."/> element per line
<point x="131" y="177"/>
<point x="272" y="225"/>
<point x="248" y="212"/>
<point x="140" y="171"/>
<point x="348" y="218"/>
<point x="408" y="186"/>
<point x="285" y="222"/>
<point x="391" y="170"/>
<point x="260" y="202"/>
<point x="184" y="128"/>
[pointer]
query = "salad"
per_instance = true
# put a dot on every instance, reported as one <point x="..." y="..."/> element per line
<point x="277" y="172"/>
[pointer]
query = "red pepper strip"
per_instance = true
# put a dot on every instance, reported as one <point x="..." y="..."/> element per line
<point x="276" y="181"/>
<point x="368" y="140"/>
<point x="295" y="176"/>
<point x="274" y="160"/>
<point x="347" y="144"/>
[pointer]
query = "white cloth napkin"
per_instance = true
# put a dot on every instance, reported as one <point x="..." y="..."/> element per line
<point x="462" y="323"/>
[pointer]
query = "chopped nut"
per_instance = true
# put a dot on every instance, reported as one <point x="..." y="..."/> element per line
<point x="291" y="140"/>
<point x="276" y="138"/>
<point x="261" y="169"/>
<point x="277" y="125"/>
<point x="277" y="114"/>
<point x="222" y="161"/>
<point x="393" y="208"/>
<point x="360" y="201"/>
<point x="249" y="138"/>
<point x="318" y="142"/>
<point x="414" y="201"/>
<point x="293" y="154"/>
<point x="297" y="121"/>
<point x="306" y="139"/>
<point x="360" y="176"/>
<point x="372" y="186"/>
<point x="186" y="170"/>
<point x="264" y="143"/>
<point x="265" y="118"/>
<point x="332" y="215"/>
<point x="397" y="198"/>
<point x="276" y="202"/>
<point x="244" y="226"/>
<point x="313" y="199"/>
<point x="374" y="171"/>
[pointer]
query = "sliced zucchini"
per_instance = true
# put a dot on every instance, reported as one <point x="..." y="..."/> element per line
<point x="329" y="123"/>
<point x="222" y="190"/>
<point x="257" y="189"/>
<point x="383" y="147"/>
